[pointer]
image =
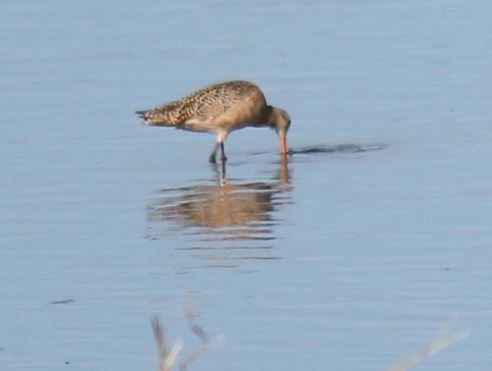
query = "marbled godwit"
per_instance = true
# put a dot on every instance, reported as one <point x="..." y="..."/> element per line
<point x="219" y="109"/>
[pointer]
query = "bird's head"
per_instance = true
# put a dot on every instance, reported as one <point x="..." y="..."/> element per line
<point x="280" y="121"/>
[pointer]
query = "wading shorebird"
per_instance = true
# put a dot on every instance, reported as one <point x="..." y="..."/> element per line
<point x="219" y="109"/>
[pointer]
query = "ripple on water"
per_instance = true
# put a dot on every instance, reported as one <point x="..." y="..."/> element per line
<point x="337" y="148"/>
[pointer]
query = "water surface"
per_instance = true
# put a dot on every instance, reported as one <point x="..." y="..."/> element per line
<point x="368" y="242"/>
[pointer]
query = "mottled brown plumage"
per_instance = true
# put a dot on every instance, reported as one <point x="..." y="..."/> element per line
<point x="221" y="108"/>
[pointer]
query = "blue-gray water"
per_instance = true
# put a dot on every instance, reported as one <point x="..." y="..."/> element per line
<point x="355" y="254"/>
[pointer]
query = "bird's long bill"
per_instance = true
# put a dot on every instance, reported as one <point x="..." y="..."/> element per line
<point x="283" y="142"/>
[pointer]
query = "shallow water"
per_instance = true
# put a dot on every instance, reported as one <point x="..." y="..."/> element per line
<point x="370" y="240"/>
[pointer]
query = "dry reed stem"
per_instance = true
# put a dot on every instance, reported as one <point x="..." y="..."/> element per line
<point x="168" y="358"/>
<point x="438" y="345"/>
<point x="159" y="336"/>
<point x="198" y="331"/>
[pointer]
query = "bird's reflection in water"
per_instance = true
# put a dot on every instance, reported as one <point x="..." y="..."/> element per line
<point x="223" y="221"/>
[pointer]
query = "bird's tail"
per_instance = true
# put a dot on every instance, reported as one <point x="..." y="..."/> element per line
<point x="165" y="115"/>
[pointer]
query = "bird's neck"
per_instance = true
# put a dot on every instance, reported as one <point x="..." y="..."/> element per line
<point x="269" y="116"/>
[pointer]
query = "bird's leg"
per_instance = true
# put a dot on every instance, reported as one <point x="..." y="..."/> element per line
<point x="224" y="158"/>
<point x="222" y="172"/>
<point x="211" y="158"/>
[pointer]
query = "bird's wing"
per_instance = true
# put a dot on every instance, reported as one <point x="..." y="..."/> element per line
<point x="210" y="102"/>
